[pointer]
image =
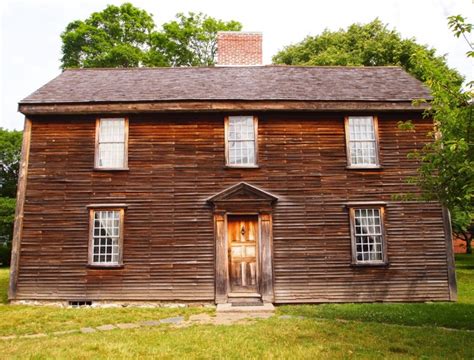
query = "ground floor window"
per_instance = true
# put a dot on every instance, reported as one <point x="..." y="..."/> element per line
<point x="367" y="233"/>
<point x="106" y="237"/>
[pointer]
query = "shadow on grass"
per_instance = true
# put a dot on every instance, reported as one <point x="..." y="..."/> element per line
<point x="458" y="315"/>
<point x="449" y="315"/>
<point x="465" y="262"/>
<point x="4" y="279"/>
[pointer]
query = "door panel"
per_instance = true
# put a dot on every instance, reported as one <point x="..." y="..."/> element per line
<point x="242" y="234"/>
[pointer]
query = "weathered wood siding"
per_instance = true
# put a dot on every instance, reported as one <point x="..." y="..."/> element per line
<point x="176" y="162"/>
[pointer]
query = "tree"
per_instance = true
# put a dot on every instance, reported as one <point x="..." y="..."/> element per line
<point x="446" y="173"/>
<point x="125" y="36"/>
<point x="114" y="37"/>
<point x="371" y="44"/>
<point x="191" y="40"/>
<point x="10" y="153"/>
<point x="7" y="218"/>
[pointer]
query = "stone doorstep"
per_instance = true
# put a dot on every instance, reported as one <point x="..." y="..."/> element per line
<point x="229" y="308"/>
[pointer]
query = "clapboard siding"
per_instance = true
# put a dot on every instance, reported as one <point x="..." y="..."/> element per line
<point x="176" y="162"/>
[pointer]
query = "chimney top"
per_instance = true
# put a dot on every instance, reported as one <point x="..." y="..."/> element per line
<point x="239" y="48"/>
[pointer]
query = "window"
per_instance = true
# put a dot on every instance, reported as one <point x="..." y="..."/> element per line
<point x="368" y="243"/>
<point x="361" y="141"/>
<point x="111" y="144"/>
<point x="241" y="144"/>
<point x="106" y="231"/>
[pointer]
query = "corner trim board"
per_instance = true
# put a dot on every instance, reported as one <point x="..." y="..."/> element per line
<point x="453" y="290"/>
<point x="19" y="211"/>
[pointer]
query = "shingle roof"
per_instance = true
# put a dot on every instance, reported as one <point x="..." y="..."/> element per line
<point x="325" y="83"/>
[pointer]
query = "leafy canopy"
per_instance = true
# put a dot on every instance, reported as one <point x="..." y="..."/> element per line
<point x="371" y="44"/>
<point x="191" y="40"/>
<point x="125" y="36"/>
<point x="114" y="37"/>
<point x="446" y="172"/>
<point x="10" y="152"/>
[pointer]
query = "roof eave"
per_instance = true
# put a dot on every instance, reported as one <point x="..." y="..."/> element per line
<point x="215" y="106"/>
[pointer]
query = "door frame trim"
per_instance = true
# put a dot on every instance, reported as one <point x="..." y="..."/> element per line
<point x="236" y="201"/>
<point x="264" y="256"/>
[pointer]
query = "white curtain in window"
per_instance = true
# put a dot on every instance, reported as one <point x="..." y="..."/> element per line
<point x="112" y="143"/>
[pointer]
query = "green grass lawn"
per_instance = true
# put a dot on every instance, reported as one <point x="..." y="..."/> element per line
<point x="327" y="331"/>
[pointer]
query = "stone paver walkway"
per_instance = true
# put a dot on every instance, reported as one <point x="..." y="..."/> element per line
<point x="178" y="321"/>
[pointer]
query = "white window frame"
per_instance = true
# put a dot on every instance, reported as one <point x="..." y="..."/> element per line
<point x="228" y="141"/>
<point x="355" y="235"/>
<point x="93" y="237"/>
<point x="97" y="160"/>
<point x="375" y="141"/>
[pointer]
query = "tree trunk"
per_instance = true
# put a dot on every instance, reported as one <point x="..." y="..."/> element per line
<point x="469" y="236"/>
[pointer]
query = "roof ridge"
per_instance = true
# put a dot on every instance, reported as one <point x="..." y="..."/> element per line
<point x="144" y="68"/>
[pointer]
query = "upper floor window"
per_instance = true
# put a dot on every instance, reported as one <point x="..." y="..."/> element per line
<point x="367" y="232"/>
<point x="241" y="141"/>
<point x="111" y="143"/>
<point x="362" y="141"/>
<point x="106" y="230"/>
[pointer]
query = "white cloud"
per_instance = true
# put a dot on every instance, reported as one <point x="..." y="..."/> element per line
<point x="30" y="45"/>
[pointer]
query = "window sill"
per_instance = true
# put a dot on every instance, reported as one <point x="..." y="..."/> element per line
<point x="111" y="169"/>
<point x="241" y="167"/>
<point x="105" y="267"/>
<point x="365" y="168"/>
<point x="374" y="264"/>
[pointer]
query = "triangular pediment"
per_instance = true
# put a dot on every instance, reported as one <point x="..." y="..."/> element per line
<point x="241" y="192"/>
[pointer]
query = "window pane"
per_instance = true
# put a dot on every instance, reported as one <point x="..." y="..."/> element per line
<point x="368" y="236"/>
<point x="112" y="130"/>
<point x="241" y="140"/>
<point x="362" y="140"/>
<point x="111" y="155"/>
<point x="106" y="235"/>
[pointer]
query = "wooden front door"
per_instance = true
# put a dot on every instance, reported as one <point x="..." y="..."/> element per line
<point x="242" y="234"/>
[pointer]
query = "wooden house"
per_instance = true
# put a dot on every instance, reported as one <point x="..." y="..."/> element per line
<point x="273" y="184"/>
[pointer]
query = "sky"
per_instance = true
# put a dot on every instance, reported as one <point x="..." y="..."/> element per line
<point x="30" y="44"/>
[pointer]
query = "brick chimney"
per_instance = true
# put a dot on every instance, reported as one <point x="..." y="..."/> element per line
<point x="237" y="48"/>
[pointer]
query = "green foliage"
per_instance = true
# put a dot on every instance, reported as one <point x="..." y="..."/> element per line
<point x="406" y="125"/>
<point x="114" y="37"/>
<point x="10" y="152"/>
<point x="191" y="40"/>
<point x="126" y="36"/>
<point x="446" y="173"/>
<point x="7" y="218"/>
<point x="371" y="44"/>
